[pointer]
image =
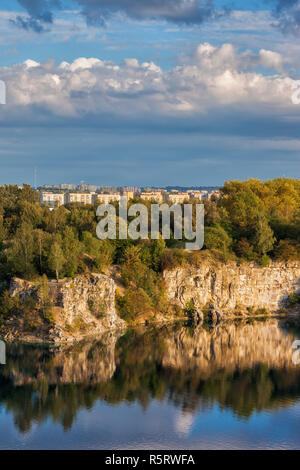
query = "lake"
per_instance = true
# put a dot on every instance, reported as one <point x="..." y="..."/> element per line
<point x="234" y="386"/>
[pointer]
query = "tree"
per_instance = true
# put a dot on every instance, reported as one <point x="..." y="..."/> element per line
<point x="72" y="249"/>
<point x="56" y="257"/>
<point x="21" y="253"/>
<point x="263" y="239"/>
<point x="217" y="238"/>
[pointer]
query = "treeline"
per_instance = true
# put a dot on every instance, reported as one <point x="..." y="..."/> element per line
<point x="253" y="220"/>
<point x="256" y="220"/>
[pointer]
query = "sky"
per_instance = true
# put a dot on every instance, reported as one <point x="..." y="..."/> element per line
<point x="149" y="92"/>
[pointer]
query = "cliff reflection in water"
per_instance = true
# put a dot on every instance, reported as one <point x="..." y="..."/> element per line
<point x="243" y="366"/>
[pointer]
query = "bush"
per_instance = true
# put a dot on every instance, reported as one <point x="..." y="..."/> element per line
<point x="173" y="258"/>
<point x="8" y="304"/>
<point x="134" y="304"/>
<point x="245" y="250"/>
<point x="217" y="238"/>
<point x="287" y="250"/>
<point x="262" y="311"/>
<point x="98" y="308"/>
<point x="264" y="261"/>
<point x="294" y="299"/>
<point x="190" y="309"/>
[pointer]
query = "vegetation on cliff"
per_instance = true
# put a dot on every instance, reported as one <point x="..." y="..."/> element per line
<point x="252" y="221"/>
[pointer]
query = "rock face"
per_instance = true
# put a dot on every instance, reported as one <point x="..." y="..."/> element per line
<point x="232" y="286"/>
<point x="79" y="307"/>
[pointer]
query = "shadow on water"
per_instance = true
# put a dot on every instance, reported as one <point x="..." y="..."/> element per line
<point x="244" y="366"/>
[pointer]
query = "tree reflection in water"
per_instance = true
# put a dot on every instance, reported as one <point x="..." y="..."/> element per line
<point x="245" y="366"/>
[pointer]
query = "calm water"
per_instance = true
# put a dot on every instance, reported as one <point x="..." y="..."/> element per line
<point x="172" y="387"/>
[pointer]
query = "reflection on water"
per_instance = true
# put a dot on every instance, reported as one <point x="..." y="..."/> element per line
<point x="169" y="387"/>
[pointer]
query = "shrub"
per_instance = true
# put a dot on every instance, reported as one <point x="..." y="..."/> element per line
<point x="245" y="250"/>
<point x="287" y="250"/>
<point x="190" y="309"/>
<point x="98" y="308"/>
<point x="294" y="299"/>
<point x="173" y="258"/>
<point x="264" y="261"/>
<point x="134" y="304"/>
<point x="262" y="311"/>
<point x="8" y="304"/>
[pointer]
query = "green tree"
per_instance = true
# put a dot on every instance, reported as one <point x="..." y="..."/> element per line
<point x="263" y="238"/>
<point x="72" y="250"/>
<point x="20" y="255"/>
<point x="217" y="238"/>
<point x="56" y="259"/>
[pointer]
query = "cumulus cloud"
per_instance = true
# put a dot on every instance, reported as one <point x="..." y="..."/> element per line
<point x="96" y="12"/>
<point x="217" y="78"/>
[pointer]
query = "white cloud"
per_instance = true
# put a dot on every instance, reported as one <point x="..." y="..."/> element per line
<point x="271" y="59"/>
<point x="214" y="78"/>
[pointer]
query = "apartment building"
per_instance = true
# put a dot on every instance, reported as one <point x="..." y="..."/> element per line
<point x="177" y="197"/>
<point x="67" y="187"/>
<point x="129" y="191"/>
<point x="195" y="195"/>
<point x="81" y="198"/>
<point x="152" y="196"/>
<point x="52" y="199"/>
<point x="107" y="198"/>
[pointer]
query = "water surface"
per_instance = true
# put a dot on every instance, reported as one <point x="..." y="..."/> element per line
<point x="172" y="387"/>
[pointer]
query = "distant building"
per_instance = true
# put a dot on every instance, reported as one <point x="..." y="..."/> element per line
<point x="152" y="196"/>
<point x="215" y="194"/>
<point x="195" y="195"/>
<point x="81" y="198"/>
<point x="87" y="187"/>
<point x="130" y="191"/>
<point x="52" y="199"/>
<point x="107" y="198"/>
<point x="68" y="187"/>
<point x="177" y="197"/>
<point x="108" y="189"/>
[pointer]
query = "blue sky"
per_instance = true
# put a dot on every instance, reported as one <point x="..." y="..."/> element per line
<point x="147" y="94"/>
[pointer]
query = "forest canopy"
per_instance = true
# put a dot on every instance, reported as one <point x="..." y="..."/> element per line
<point x="252" y="221"/>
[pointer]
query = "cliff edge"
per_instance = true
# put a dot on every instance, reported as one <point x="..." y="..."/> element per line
<point x="67" y="310"/>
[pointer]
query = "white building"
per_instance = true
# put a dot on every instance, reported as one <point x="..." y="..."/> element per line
<point x="152" y="196"/>
<point x="81" y="198"/>
<point x="196" y="195"/>
<point x="107" y="198"/>
<point x="177" y="198"/>
<point x="52" y="199"/>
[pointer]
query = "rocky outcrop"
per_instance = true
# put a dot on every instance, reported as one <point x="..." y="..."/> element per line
<point x="232" y="286"/>
<point x="75" y="308"/>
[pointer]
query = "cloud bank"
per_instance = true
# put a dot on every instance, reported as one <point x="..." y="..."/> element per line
<point x="215" y="78"/>
<point x="40" y="13"/>
<point x="97" y="12"/>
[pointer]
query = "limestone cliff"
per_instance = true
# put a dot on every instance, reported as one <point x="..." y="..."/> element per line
<point x="233" y="286"/>
<point x="76" y="308"/>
